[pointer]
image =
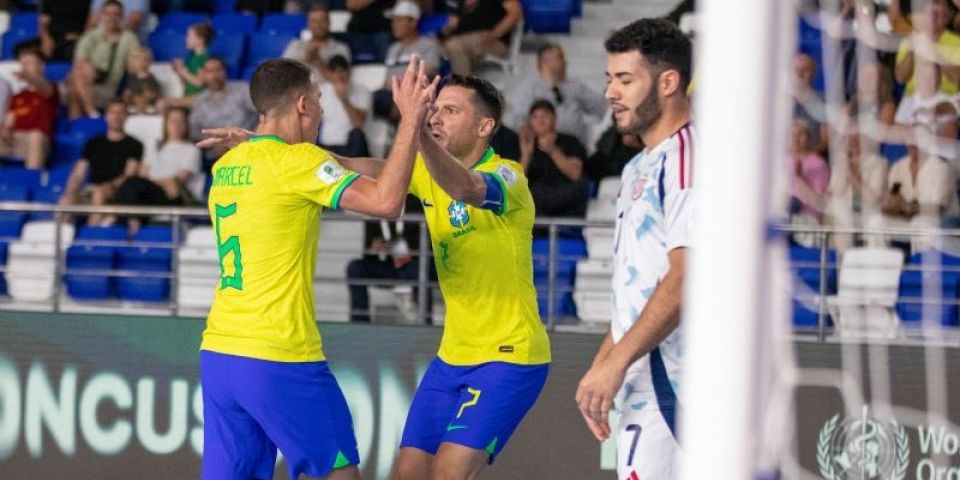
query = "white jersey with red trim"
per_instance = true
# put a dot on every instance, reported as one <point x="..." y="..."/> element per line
<point x="655" y="214"/>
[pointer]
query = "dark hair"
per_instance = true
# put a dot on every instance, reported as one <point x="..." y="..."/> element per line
<point x="115" y="3"/>
<point x="27" y="48"/>
<point x="116" y="101"/>
<point x="660" y="42"/>
<point x="541" y="104"/>
<point x="486" y="97"/>
<point x="338" y="62"/>
<point x="204" y="31"/>
<point x="166" y="116"/>
<point x="275" y="81"/>
<point x="546" y="48"/>
<point x="218" y="59"/>
<point x="317" y="6"/>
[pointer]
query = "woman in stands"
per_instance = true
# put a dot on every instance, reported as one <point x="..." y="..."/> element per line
<point x="172" y="177"/>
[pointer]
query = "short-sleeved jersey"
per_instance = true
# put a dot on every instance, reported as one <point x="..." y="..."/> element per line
<point x="485" y="267"/>
<point x="265" y="203"/>
<point x="655" y="214"/>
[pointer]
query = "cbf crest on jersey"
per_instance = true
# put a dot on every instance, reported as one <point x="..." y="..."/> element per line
<point x="459" y="217"/>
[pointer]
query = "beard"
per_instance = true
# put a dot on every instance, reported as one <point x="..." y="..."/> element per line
<point x="645" y="115"/>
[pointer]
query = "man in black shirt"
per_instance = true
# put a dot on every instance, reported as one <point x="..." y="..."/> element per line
<point x="554" y="165"/>
<point x="479" y="28"/>
<point x="109" y="159"/>
<point x="61" y="25"/>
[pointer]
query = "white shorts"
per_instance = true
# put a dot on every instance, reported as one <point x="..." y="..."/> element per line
<point x="646" y="447"/>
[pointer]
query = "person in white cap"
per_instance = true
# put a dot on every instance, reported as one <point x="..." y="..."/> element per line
<point x="403" y="21"/>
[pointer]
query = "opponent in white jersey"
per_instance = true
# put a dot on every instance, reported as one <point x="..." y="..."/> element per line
<point x="638" y="364"/>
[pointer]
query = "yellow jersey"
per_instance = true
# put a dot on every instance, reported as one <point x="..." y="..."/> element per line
<point x="265" y="203"/>
<point x="948" y="48"/>
<point x="484" y="262"/>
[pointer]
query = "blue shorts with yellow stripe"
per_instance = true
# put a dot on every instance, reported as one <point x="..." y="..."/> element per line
<point x="477" y="406"/>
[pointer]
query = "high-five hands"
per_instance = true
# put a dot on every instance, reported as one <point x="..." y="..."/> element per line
<point x="413" y="93"/>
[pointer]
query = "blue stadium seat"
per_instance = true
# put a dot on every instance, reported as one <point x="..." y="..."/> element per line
<point x="807" y="316"/>
<point x="57" y="72"/>
<point x="365" y="48"/>
<point x="810" y="274"/>
<point x="223" y="6"/>
<point x="229" y="46"/>
<point x="893" y="152"/>
<point x="67" y="148"/>
<point x="49" y="194"/>
<point x="911" y="286"/>
<point x="88" y="257"/>
<point x="265" y="46"/>
<point x="178" y="22"/>
<point x="432" y="24"/>
<point x="167" y="45"/>
<point x="58" y="175"/>
<point x="547" y="16"/>
<point x="19" y="177"/>
<point x="88" y="126"/>
<point x="26" y="21"/>
<point x="11" y="223"/>
<point x="12" y="38"/>
<point x="283" y="24"/>
<point x="810" y="42"/>
<point x="232" y="22"/>
<point x="146" y="259"/>
<point x="569" y="251"/>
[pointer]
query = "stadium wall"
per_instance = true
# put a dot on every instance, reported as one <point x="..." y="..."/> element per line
<point x="110" y="397"/>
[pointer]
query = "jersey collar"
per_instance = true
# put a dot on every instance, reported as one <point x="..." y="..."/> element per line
<point x="260" y="138"/>
<point x="486" y="157"/>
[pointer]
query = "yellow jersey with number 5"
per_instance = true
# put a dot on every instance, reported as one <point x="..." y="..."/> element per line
<point x="265" y="203"/>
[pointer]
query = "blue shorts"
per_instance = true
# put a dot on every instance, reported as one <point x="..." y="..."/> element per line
<point x="252" y="407"/>
<point x="477" y="406"/>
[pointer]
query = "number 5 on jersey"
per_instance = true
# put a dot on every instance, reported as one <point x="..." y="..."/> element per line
<point x="231" y="245"/>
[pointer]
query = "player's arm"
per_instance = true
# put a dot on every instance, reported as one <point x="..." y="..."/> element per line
<point x="367" y="166"/>
<point x="457" y="180"/>
<point x="384" y="195"/>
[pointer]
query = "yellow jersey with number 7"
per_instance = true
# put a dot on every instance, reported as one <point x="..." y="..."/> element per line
<point x="265" y="202"/>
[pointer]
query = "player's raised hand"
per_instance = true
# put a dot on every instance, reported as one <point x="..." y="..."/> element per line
<point x="228" y="137"/>
<point x="413" y="93"/>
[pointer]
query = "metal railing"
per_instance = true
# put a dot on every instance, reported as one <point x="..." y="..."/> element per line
<point x="179" y="218"/>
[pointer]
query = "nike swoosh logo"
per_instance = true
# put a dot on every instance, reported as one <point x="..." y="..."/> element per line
<point x="451" y="428"/>
<point x="426" y="203"/>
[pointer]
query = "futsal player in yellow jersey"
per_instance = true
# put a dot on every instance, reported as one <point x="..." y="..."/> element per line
<point x="494" y="355"/>
<point x="266" y="384"/>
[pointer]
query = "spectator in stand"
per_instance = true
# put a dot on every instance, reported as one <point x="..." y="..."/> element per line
<point x="573" y="100"/>
<point x="28" y="126"/>
<point x="809" y="174"/>
<point x="858" y="181"/>
<point x="100" y="62"/>
<point x="873" y="100"/>
<point x="927" y="101"/>
<point x="506" y="143"/>
<point x="808" y="103"/>
<point x="614" y="150"/>
<point x="199" y="36"/>
<point x="553" y="163"/>
<point x="478" y="28"/>
<point x="139" y="89"/>
<point x="220" y="104"/>
<point x="936" y="41"/>
<point x="390" y="249"/>
<point x="321" y="47"/>
<point x="346" y="107"/>
<point x="61" y="24"/>
<point x="368" y="23"/>
<point x="110" y="159"/>
<point x="169" y="178"/>
<point x="921" y="192"/>
<point x="403" y="22"/>
<point x="135" y="20"/>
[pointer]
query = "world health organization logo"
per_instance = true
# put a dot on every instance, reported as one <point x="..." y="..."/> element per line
<point x="862" y="448"/>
